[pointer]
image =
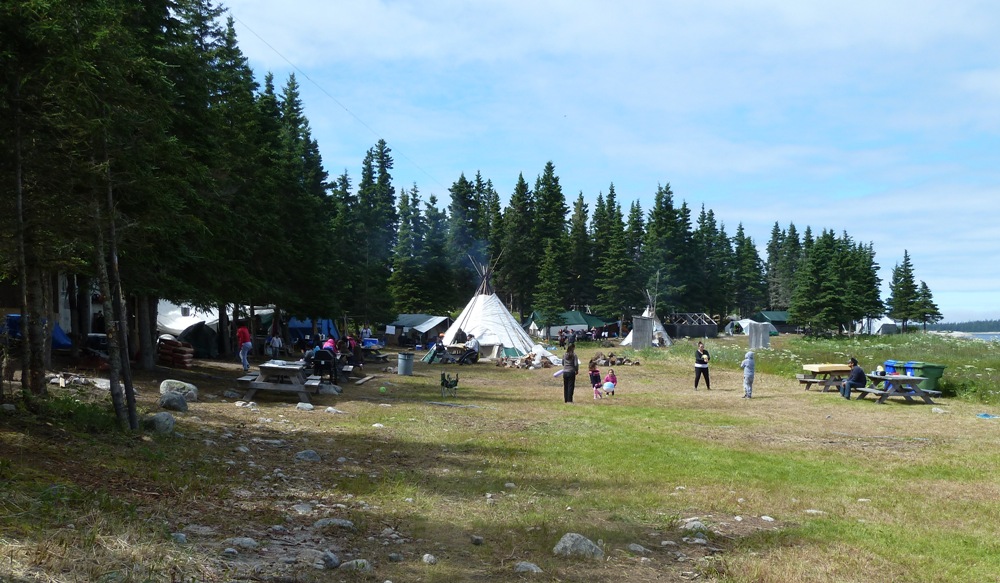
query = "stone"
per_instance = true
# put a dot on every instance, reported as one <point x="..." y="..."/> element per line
<point x="577" y="545"/>
<point x="360" y="565"/>
<point x="308" y="455"/>
<point x="162" y="423"/>
<point x="637" y="549"/>
<point x="173" y="402"/>
<point x="526" y="567"/>
<point x="304" y="406"/>
<point x="337" y="522"/>
<point x="429" y="559"/>
<point x="189" y="391"/>
<point x="242" y="542"/>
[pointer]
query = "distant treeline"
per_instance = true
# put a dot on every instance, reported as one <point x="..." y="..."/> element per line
<point x="974" y="326"/>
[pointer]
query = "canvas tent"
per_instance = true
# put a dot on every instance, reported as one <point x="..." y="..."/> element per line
<point x="658" y="330"/>
<point x="203" y="338"/>
<point x="12" y="328"/>
<point x="485" y="316"/>
<point x="301" y="328"/>
<point x="883" y="325"/>
<point x="743" y="327"/>
<point x="173" y="319"/>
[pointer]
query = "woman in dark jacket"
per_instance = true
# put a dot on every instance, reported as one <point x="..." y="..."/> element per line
<point x="571" y="366"/>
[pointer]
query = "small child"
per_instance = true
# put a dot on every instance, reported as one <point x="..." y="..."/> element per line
<point x="610" y="382"/>
<point x="595" y="379"/>
<point x="747" y="365"/>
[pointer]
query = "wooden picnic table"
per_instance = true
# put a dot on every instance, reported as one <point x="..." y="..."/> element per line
<point x="827" y="375"/>
<point x="905" y="386"/>
<point x="281" y="376"/>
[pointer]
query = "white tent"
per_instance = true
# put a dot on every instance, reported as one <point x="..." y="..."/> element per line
<point x="658" y="330"/>
<point x="745" y="327"/>
<point x="174" y="319"/>
<point x="883" y="325"/>
<point x="488" y="319"/>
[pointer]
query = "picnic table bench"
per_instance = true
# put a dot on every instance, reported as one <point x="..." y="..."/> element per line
<point x="904" y="386"/>
<point x="282" y="377"/>
<point x="828" y="376"/>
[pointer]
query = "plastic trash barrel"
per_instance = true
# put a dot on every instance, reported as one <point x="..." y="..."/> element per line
<point x="890" y="366"/>
<point x="404" y="363"/>
<point x="931" y="372"/>
<point x="912" y="366"/>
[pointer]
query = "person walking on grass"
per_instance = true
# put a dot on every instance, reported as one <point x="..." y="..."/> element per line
<point x="571" y="366"/>
<point x="748" y="369"/>
<point x="701" y="358"/>
<point x="243" y="340"/>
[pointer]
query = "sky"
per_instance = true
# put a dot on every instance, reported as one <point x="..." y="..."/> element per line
<point x="881" y="119"/>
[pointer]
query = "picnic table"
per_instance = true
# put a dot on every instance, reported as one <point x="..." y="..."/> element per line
<point x="905" y="386"/>
<point x="827" y="375"/>
<point x="281" y="376"/>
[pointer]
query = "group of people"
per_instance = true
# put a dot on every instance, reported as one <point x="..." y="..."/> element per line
<point x="571" y="367"/>
<point x="469" y="356"/>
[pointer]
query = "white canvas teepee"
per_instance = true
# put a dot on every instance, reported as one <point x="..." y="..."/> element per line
<point x="488" y="319"/>
<point x="658" y="330"/>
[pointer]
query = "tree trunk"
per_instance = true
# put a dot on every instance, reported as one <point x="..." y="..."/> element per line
<point x="146" y="315"/>
<point x="118" y="300"/>
<point x="225" y="346"/>
<point x="111" y="323"/>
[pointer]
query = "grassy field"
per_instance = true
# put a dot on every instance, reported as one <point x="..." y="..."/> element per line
<point x="792" y="485"/>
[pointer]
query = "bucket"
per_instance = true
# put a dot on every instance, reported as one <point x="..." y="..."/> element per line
<point x="404" y="363"/>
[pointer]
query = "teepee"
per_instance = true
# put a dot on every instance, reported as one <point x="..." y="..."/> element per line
<point x="486" y="317"/>
<point x="658" y="330"/>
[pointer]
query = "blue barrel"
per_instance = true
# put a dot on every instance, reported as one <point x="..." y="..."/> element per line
<point x="912" y="367"/>
<point x="890" y="366"/>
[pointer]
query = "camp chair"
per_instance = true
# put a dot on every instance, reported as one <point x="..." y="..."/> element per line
<point x="449" y="386"/>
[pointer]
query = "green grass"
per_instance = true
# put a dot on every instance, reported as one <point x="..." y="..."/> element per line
<point x="860" y="492"/>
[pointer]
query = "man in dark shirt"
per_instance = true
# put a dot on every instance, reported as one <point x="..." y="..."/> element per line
<point x="855" y="380"/>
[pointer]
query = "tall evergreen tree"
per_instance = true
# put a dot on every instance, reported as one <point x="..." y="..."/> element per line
<point x="437" y="264"/>
<point x="579" y="268"/>
<point x="903" y="289"/>
<point x="748" y="275"/>
<point x="405" y="282"/>
<point x="517" y="276"/>
<point x="463" y="235"/>
<point x="548" y="298"/>
<point x="926" y="310"/>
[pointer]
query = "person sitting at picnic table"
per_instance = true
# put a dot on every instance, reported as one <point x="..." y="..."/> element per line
<point x="855" y="380"/>
<point x="471" y="350"/>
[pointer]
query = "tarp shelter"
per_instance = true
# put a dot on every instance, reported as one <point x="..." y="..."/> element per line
<point x="60" y="340"/>
<point x="571" y="320"/>
<point x="883" y="325"/>
<point x="203" y="338"/>
<point x="657" y="332"/>
<point x="302" y="328"/>
<point x="423" y="327"/>
<point x="485" y="316"/>
<point x="777" y="318"/>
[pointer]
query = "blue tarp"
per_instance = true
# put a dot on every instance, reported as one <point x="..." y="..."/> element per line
<point x="59" y="338"/>
<point x="302" y="328"/>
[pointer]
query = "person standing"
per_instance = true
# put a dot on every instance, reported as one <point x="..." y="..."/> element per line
<point x="701" y="358"/>
<point x="855" y="380"/>
<point x="276" y="345"/>
<point x="748" y="369"/>
<point x="243" y="339"/>
<point x="571" y="366"/>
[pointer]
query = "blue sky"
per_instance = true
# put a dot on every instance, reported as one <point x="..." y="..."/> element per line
<point x="878" y="118"/>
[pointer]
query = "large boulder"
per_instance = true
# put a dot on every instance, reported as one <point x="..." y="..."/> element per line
<point x="173" y="402"/>
<point x="189" y="391"/>
<point x="162" y="422"/>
